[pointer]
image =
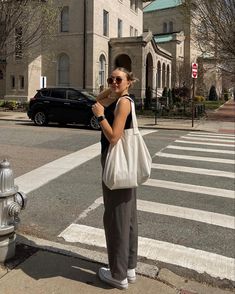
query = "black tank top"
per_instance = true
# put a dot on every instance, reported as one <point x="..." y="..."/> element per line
<point x="109" y="115"/>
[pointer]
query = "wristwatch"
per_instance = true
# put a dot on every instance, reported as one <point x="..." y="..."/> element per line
<point x="100" y="118"/>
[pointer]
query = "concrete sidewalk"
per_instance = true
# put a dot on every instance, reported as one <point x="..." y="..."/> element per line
<point x="42" y="271"/>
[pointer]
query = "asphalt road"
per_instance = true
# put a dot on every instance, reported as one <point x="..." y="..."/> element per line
<point x="188" y="212"/>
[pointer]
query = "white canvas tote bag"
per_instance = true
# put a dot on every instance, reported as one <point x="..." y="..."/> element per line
<point x="128" y="162"/>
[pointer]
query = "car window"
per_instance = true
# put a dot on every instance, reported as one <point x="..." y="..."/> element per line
<point x="41" y="93"/>
<point x="58" y="93"/>
<point x="75" y="95"/>
<point x="89" y="95"/>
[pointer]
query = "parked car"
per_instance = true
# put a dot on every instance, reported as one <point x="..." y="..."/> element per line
<point x="64" y="106"/>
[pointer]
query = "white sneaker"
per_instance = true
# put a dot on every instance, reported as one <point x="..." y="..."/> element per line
<point x="131" y="276"/>
<point x="105" y="276"/>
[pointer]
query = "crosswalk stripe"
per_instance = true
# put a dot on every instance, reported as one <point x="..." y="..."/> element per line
<point x="208" y="217"/>
<point x="201" y="261"/>
<point x="194" y="170"/>
<point x="190" y="188"/>
<point x="198" y="158"/>
<point x="206" y="143"/>
<point x="206" y="139"/>
<point x="214" y="134"/>
<point x="50" y="171"/>
<point x="200" y="149"/>
<point x="211" y="136"/>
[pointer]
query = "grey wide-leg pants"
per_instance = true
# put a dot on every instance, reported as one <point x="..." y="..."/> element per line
<point x="121" y="229"/>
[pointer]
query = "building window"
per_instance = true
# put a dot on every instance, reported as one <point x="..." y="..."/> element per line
<point x="136" y="32"/>
<point x="119" y="28"/>
<point x="131" y="31"/>
<point x="1" y="75"/>
<point x="18" y="43"/>
<point x="134" y="5"/>
<point x="13" y="82"/>
<point x="170" y="26"/>
<point x="102" y="63"/>
<point x="168" y="76"/>
<point x="163" y="75"/>
<point x="21" y="82"/>
<point x="64" y="19"/>
<point x="159" y="85"/>
<point x="164" y="27"/>
<point x="105" y="23"/>
<point x="63" y="70"/>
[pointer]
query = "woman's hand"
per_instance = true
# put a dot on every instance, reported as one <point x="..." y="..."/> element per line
<point x="98" y="109"/>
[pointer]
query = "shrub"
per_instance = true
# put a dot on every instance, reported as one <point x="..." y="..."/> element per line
<point x="164" y="92"/>
<point x="11" y="104"/>
<point x="199" y="99"/>
<point x="213" y="94"/>
<point x="226" y="96"/>
<point x="2" y="103"/>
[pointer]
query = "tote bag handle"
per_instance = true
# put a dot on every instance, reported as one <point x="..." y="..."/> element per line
<point x="133" y="114"/>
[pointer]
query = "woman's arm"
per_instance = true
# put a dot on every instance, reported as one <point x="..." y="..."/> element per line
<point x="105" y="98"/>
<point x="114" y="133"/>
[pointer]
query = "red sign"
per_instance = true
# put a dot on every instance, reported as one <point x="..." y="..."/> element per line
<point x="194" y="70"/>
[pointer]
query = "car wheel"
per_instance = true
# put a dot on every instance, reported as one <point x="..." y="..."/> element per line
<point x="40" y="118"/>
<point x="94" y="123"/>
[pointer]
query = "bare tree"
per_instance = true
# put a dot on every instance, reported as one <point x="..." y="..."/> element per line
<point x="23" y="23"/>
<point x="214" y="28"/>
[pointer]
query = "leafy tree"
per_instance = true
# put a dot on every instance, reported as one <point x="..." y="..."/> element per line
<point x="214" y="29"/>
<point x="23" y="23"/>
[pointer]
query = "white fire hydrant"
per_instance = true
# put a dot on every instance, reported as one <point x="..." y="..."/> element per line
<point x="11" y="203"/>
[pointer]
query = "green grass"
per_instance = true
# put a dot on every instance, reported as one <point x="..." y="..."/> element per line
<point x="212" y="105"/>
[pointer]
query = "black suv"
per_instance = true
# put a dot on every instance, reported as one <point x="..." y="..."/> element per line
<point x="62" y="105"/>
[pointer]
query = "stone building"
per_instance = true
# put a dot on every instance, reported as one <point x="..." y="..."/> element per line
<point x="92" y="38"/>
<point x="173" y="30"/>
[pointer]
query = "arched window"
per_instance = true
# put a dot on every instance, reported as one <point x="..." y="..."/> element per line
<point x="164" y="27"/>
<point x="102" y="73"/>
<point x="64" y="19"/>
<point x="163" y="75"/>
<point x="170" y="26"/>
<point x="168" y="76"/>
<point x="63" y="70"/>
<point x="159" y="85"/>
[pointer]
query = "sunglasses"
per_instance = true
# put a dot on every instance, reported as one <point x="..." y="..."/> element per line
<point x="111" y="80"/>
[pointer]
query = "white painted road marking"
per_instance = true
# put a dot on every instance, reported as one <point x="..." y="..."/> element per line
<point x="194" y="170"/>
<point x="198" y="158"/>
<point x="206" y="139"/>
<point x="48" y="172"/>
<point x="52" y="170"/>
<point x="201" y="261"/>
<point x="213" y="134"/>
<point x="203" y="216"/>
<point x="222" y="136"/>
<point x="208" y="217"/>
<point x="200" y="149"/>
<point x="205" y="143"/>
<point x="190" y="188"/>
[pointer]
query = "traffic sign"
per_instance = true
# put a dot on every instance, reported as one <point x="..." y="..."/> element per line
<point x="194" y="70"/>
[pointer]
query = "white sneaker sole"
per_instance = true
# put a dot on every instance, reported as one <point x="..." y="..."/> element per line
<point x="112" y="282"/>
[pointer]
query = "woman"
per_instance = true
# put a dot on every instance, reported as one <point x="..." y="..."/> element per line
<point x="120" y="215"/>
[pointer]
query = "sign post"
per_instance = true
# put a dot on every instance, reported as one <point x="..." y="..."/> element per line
<point x="194" y="76"/>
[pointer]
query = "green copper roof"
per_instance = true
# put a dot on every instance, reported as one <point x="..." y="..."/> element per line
<point x="162" y="4"/>
<point x="163" y="38"/>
